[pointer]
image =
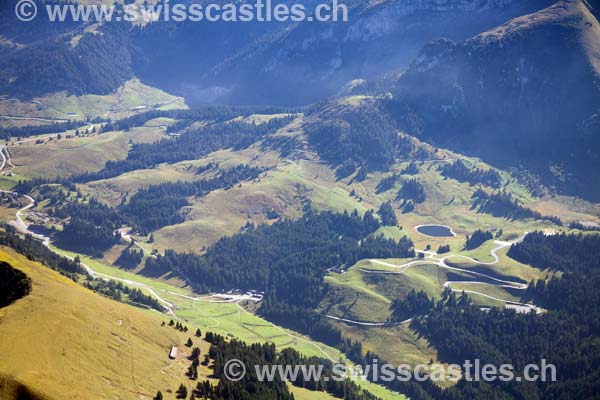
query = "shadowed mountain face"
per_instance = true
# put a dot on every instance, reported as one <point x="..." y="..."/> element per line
<point x="249" y="62"/>
<point x="310" y="61"/>
<point x="527" y="92"/>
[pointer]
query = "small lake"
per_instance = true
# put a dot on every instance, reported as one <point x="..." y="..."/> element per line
<point x="435" y="230"/>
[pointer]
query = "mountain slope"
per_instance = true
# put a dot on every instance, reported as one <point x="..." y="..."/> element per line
<point x="380" y="36"/>
<point x="245" y="62"/>
<point x="529" y="88"/>
<point x="63" y="341"/>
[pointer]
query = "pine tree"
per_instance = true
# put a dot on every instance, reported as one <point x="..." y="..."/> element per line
<point x="182" y="392"/>
<point x="195" y="353"/>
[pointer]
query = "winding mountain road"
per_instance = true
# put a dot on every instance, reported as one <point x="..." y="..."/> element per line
<point x="22" y="227"/>
<point x="489" y="279"/>
<point x="441" y="263"/>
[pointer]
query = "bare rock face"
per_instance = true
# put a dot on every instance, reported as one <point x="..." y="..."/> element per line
<point x="530" y="87"/>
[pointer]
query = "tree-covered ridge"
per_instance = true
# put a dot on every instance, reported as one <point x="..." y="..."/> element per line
<point x="458" y="170"/>
<point x="35" y="130"/>
<point x="503" y="204"/>
<point x="356" y="137"/>
<point x="159" y="205"/>
<point x="26" y="186"/>
<point x="191" y="145"/>
<point x="578" y="257"/>
<point x="55" y="65"/>
<point x="14" y="284"/>
<point x="582" y="227"/>
<point x="185" y="117"/>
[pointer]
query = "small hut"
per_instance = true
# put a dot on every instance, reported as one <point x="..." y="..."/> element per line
<point x="173" y="353"/>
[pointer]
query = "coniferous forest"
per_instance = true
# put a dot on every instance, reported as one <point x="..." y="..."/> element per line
<point x="288" y="260"/>
<point x="565" y="335"/>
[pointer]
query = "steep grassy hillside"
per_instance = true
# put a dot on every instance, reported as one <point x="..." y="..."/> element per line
<point x="63" y="341"/>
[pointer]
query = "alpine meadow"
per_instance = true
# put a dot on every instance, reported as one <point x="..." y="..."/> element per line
<point x="279" y="200"/>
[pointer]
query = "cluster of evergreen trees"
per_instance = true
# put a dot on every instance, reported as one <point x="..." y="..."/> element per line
<point x="158" y="205"/>
<point x="35" y="250"/>
<point x="91" y="227"/>
<point x="387" y="183"/>
<point x="477" y="238"/>
<point x="459" y="171"/>
<point x="123" y="293"/>
<point x="502" y="204"/>
<point x="568" y="253"/>
<point x="445" y="248"/>
<point x="130" y="258"/>
<point x="411" y="169"/>
<point x="582" y="227"/>
<point x="411" y="193"/>
<point x="35" y="130"/>
<point x="414" y="304"/>
<point x="14" y="284"/>
<point x="178" y="325"/>
<point x="223" y="350"/>
<point x="387" y="215"/>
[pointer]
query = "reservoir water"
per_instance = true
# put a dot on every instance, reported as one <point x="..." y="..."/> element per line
<point x="435" y="230"/>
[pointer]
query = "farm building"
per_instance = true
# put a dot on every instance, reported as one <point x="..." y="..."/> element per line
<point x="173" y="353"/>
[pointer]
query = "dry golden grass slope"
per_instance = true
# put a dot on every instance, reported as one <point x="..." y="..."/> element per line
<point x="65" y="342"/>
